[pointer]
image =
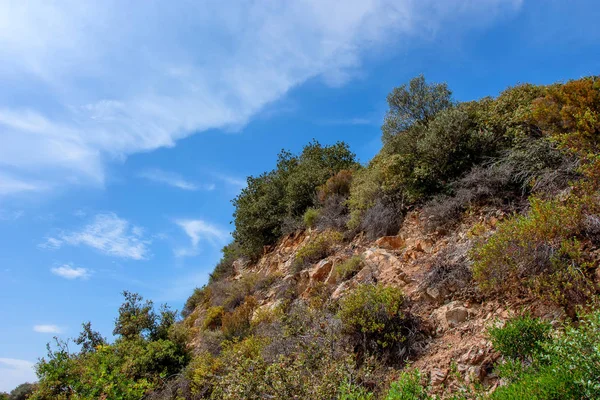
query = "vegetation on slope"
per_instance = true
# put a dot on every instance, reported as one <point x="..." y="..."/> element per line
<point x="532" y="152"/>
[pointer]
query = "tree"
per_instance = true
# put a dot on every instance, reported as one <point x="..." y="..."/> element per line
<point x="285" y="193"/>
<point x="89" y="339"/>
<point x="22" y="392"/>
<point x="135" y="318"/>
<point x="412" y="103"/>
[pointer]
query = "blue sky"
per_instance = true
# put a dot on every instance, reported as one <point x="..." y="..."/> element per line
<point x="126" y="129"/>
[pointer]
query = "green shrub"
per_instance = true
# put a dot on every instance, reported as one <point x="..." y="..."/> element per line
<point x="373" y="315"/>
<point x="286" y="192"/>
<point x="408" y="387"/>
<point x="567" y="368"/>
<point x="147" y="350"/>
<point x="236" y="324"/>
<point x="22" y="392"/>
<point x="349" y="391"/>
<point x="213" y="318"/>
<point x="199" y="296"/>
<point x="349" y="267"/>
<point x="310" y="217"/>
<point x="539" y="252"/>
<point x="316" y="249"/>
<point x="521" y="337"/>
<point x="413" y="103"/>
<point x="224" y="268"/>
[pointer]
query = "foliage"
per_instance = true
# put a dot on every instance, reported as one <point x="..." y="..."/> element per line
<point x="338" y="185"/>
<point x="317" y="249"/>
<point x="88" y="339"/>
<point x="236" y="324"/>
<point x="22" y="392"/>
<point x="349" y="391"/>
<point x="538" y="251"/>
<point x="135" y="318"/>
<point x="285" y="192"/>
<point x="150" y="348"/>
<point x="199" y="296"/>
<point x="310" y="217"/>
<point x="566" y="368"/>
<point x="415" y="102"/>
<point x="373" y="315"/>
<point x="224" y="267"/>
<point x="213" y="317"/>
<point x="349" y="267"/>
<point x="521" y="337"/>
<point x="408" y="387"/>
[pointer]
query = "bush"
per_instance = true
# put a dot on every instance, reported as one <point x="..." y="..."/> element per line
<point x="412" y="103"/>
<point x="22" y="392"/>
<point x="521" y="337"/>
<point x="199" y="296"/>
<point x="310" y="217"/>
<point x="236" y="324"/>
<point x="337" y="185"/>
<point x="286" y="192"/>
<point x="316" y="249"/>
<point x="373" y="315"/>
<point x="566" y="368"/>
<point x="349" y="267"/>
<point x="213" y="318"/>
<point x="224" y="268"/>
<point x="381" y="220"/>
<point x="539" y="252"/>
<point x="408" y="387"/>
<point x="147" y="350"/>
<point x="349" y="391"/>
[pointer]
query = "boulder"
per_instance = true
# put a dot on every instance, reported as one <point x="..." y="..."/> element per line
<point x="390" y="242"/>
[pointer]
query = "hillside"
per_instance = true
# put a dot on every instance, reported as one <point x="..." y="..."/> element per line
<point x="461" y="262"/>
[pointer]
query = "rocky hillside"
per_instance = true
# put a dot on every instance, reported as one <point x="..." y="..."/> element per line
<point x="461" y="262"/>
<point x="453" y="350"/>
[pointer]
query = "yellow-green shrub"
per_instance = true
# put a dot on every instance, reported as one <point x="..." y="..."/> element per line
<point x="236" y="324"/>
<point x="349" y="267"/>
<point x="310" y="217"/>
<point x="317" y="249"/>
<point x="373" y="315"/>
<point x="213" y="317"/>
<point x="538" y="251"/>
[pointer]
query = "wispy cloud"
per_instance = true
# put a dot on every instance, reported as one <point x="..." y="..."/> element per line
<point x="236" y="182"/>
<point x="13" y="372"/>
<point x="10" y="184"/>
<point x="198" y="230"/>
<point x="104" y="83"/>
<point x="173" y="179"/>
<point x="107" y="233"/>
<point x="47" y="329"/>
<point x="69" y="272"/>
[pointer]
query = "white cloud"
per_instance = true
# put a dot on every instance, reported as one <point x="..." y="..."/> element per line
<point x="102" y="82"/>
<point x="69" y="272"/>
<point x="47" y="329"/>
<point x="13" y="372"/>
<point x="107" y="233"/>
<point x="199" y="230"/>
<point x="172" y="179"/>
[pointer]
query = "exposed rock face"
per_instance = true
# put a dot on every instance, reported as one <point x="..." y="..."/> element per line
<point x="450" y="315"/>
<point x="432" y="270"/>
<point x="390" y="242"/>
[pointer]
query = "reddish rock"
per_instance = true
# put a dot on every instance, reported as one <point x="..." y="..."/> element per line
<point x="390" y="242"/>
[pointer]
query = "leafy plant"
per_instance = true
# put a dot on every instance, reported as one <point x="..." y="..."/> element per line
<point x="521" y="337"/>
